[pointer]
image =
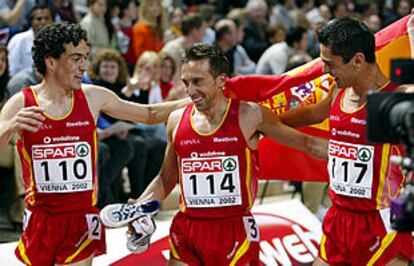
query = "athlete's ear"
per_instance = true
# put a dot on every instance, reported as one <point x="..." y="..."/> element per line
<point x="358" y="60"/>
<point x="50" y="62"/>
<point x="221" y="79"/>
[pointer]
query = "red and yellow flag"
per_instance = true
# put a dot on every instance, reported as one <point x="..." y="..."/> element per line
<point x="301" y="86"/>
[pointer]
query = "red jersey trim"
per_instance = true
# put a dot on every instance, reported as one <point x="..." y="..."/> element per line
<point x="55" y="118"/>
<point x="216" y="129"/>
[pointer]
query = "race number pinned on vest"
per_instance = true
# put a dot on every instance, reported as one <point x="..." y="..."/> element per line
<point x="350" y="168"/>
<point x="62" y="168"/>
<point x="211" y="182"/>
<point x="94" y="226"/>
<point x="252" y="228"/>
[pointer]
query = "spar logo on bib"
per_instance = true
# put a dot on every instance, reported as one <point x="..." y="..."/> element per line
<point x="202" y="166"/>
<point x="349" y="151"/>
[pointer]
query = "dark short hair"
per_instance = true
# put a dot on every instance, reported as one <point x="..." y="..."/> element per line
<point x="39" y="7"/>
<point x="222" y="31"/>
<point x="294" y="35"/>
<point x="219" y="64"/>
<point x="190" y="22"/>
<point x="51" y="39"/>
<point x="348" y="36"/>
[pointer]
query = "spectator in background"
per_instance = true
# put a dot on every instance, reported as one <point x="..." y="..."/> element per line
<point x="281" y="14"/>
<point x="341" y="10"/>
<point x="147" y="34"/>
<point x="20" y="45"/>
<point x="99" y="31"/>
<point x="373" y="23"/>
<point x="65" y="10"/>
<point x="207" y="13"/>
<point x="325" y="12"/>
<point x="167" y="72"/>
<point x="149" y="141"/>
<point x="4" y="75"/>
<point x="10" y="15"/>
<point x="9" y="160"/>
<point x="128" y="16"/>
<point x="275" y="59"/>
<point x="193" y="28"/>
<point x="401" y="9"/>
<point x="243" y="65"/>
<point x="227" y="39"/>
<point x="275" y="33"/>
<point x="254" y="40"/>
<point x="13" y="16"/>
<point x="174" y="26"/>
<point x="108" y="69"/>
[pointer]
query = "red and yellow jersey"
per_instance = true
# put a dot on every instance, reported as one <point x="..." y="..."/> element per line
<point x="362" y="176"/>
<point x="59" y="161"/>
<point x="218" y="171"/>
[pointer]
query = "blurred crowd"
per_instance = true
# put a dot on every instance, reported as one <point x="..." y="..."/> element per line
<point x="136" y="51"/>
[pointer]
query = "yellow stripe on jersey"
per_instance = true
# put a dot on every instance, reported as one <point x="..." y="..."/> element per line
<point x="382" y="174"/>
<point x="22" y="251"/>
<point x="79" y="250"/>
<point x="95" y="180"/>
<point x="183" y="204"/>
<point x="384" y="244"/>
<point x="32" y="185"/>
<point x="214" y="130"/>
<point x="248" y="169"/>
<point x="240" y="252"/>
<point x="322" y="248"/>
<point x="173" y="250"/>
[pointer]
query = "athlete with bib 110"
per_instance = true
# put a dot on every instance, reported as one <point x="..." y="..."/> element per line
<point x="212" y="149"/>
<point x="55" y="121"/>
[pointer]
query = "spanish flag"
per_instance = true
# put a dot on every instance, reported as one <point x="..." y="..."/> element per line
<point x="304" y="85"/>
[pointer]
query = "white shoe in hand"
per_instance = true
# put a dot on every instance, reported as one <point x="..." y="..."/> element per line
<point x="139" y="241"/>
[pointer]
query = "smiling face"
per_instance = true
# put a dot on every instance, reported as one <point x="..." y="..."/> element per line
<point x="108" y="71"/>
<point x="344" y="73"/>
<point x="200" y="85"/>
<point x="68" y="69"/>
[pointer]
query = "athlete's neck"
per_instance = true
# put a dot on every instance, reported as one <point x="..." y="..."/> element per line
<point x="216" y="112"/>
<point x="371" y="79"/>
<point x="53" y="90"/>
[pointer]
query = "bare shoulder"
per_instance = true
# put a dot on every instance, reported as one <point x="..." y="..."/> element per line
<point x="92" y="90"/>
<point x="175" y="118"/>
<point x="97" y="96"/>
<point x="250" y="110"/>
<point x="12" y="106"/>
